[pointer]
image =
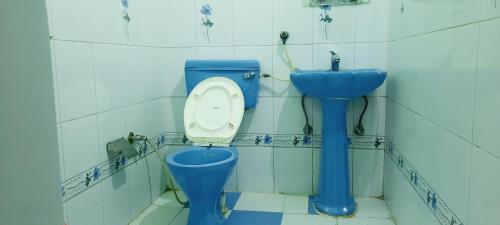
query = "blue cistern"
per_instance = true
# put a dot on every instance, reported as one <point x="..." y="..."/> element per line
<point x="219" y="92"/>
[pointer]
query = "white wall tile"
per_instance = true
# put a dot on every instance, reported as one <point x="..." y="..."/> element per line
<point x="399" y="196"/>
<point x="342" y="29"/>
<point x="371" y="55"/>
<point x="144" y="79"/>
<point x="111" y="127"/>
<point x="155" y="118"/>
<point x="368" y="173"/>
<point x="144" y="26"/>
<point x="293" y="170"/>
<point x="374" y="118"/>
<point x="178" y="23"/>
<point x="484" y="195"/>
<point x="138" y="181"/>
<point x="71" y="20"/>
<point x="108" y="25"/>
<point x="489" y="9"/>
<point x="75" y="79"/>
<point x="174" y="83"/>
<point x="110" y="70"/>
<point x="486" y="110"/>
<point x="451" y="166"/>
<point x="54" y="77"/>
<point x="250" y="28"/>
<point x="414" y="23"/>
<point x="61" y="153"/>
<point x="322" y="56"/>
<point x="444" y="70"/>
<point x="463" y="12"/>
<point x="174" y="114"/>
<point x="263" y="54"/>
<point x="157" y="175"/>
<point x="86" y="208"/>
<point x="442" y="158"/>
<point x="301" y="56"/>
<point x="225" y="53"/>
<point x="372" y="21"/>
<point x="221" y="34"/>
<point x="394" y="22"/>
<point x="255" y="169"/>
<point x="136" y="119"/>
<point x="260" y="118"/>
<point x="294" y="17"/>
<point x="79" y="141"/>
<point x="288" y="115"/>
<point x="116" y="199"/>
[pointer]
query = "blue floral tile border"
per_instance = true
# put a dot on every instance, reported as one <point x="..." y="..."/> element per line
<point x="282" y="140"/>
<point x="85" y="180"/>
<point x="434" y="202"/>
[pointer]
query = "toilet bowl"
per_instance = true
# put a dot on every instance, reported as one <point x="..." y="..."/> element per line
<point x="212" y="115"/>
<point x="201" y="172"/>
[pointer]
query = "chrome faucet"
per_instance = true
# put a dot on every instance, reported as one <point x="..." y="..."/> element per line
<point x="335" y="61"/>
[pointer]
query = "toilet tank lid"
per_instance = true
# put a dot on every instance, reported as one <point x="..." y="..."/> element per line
<point x="222" y="65"/>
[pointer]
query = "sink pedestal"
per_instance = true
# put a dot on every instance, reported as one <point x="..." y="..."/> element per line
<point x="336" y="89"/>
<point x="335" y="197"/>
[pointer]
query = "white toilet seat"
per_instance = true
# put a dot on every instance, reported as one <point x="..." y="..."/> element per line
<point x="213" y="112"/>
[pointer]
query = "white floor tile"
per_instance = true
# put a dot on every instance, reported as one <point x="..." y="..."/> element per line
<point x="365" y="221"/>
<point x="265" y="202"/>
<point x="296" y="204"/>
<point x="372" y="208"/>
<point x="304" y="219"/>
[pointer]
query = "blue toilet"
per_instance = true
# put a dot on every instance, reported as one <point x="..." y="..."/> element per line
<point x="219" y="92"/>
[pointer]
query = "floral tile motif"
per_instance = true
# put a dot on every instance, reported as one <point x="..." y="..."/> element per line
<point x="437" y="206"/>
<point x="125" y="17"/>
<point x="324" y="20"/>
<point x="206" y="21"/>
<point x="85" y="180"/>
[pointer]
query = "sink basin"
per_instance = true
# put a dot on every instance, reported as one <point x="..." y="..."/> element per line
<point x="337" y="84"/>
<point x="335" y="89"/>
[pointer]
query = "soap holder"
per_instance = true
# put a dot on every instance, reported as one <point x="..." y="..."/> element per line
<point x="121" y="147"/>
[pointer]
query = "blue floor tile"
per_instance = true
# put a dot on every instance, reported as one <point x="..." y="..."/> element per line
<point x="231" y="199"/>
<point x="310" y="207"/>
<point x="254" y="218"/>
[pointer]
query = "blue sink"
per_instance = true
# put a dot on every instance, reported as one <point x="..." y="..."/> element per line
<point x="336" y="89"/>
<point x="337" y="84"/>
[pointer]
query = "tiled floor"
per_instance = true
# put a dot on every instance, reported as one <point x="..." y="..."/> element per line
<point x="267" y="209"/>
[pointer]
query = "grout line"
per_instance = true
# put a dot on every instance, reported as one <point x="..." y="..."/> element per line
<point x="197" y="45"/>
<point x="445" y="129"/>
<point x="429" y="120"/>
<point x="473" y="124"/>
<point x="444" y="29"/>
<point x="476" y="75"/>
<point x="113" y="109"/>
